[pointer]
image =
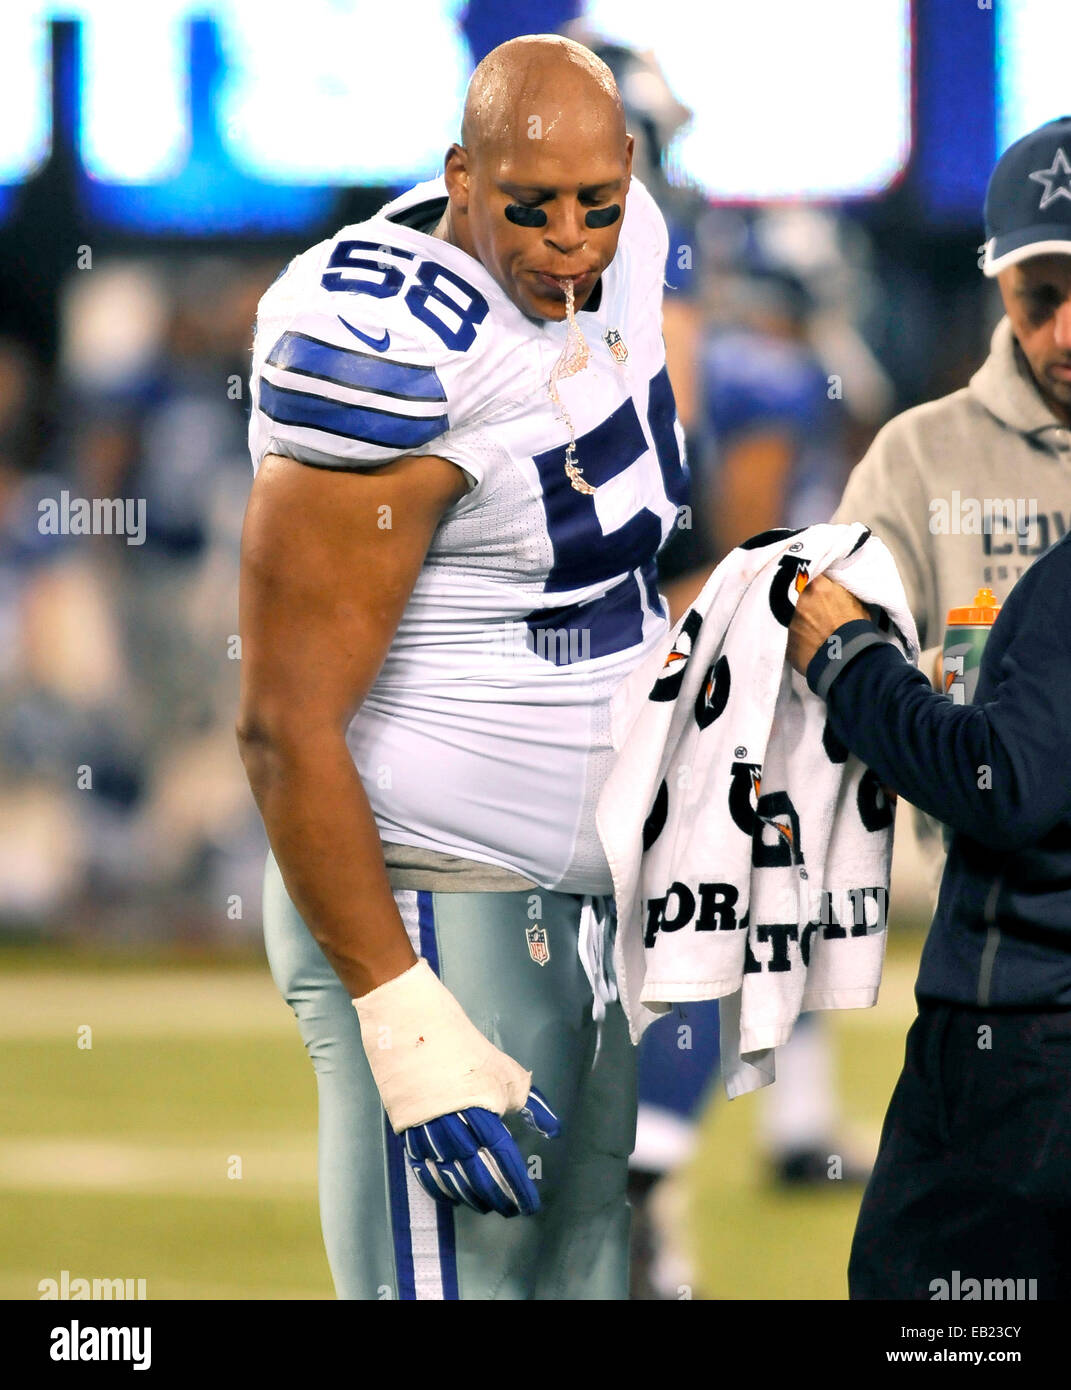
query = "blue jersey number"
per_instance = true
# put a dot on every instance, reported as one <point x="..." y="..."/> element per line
<point x="583" y="553"/>
<point x="453" y="316"/>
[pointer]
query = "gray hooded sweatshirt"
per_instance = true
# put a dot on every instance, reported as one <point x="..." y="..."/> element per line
<point x="966" y="491"/>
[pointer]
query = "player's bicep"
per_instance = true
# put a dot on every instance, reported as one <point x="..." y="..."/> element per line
<point x="328" y="563"/>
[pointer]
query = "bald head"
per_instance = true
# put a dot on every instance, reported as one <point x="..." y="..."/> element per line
<point x="540" y="87"/>
<point x="537" y="186"/>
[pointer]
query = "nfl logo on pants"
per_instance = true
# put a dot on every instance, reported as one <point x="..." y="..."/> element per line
<point x="537" y="944"/>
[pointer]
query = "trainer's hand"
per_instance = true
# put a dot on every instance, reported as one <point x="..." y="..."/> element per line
<point x="471" y="1157"/>
<point x="821" y="608"/>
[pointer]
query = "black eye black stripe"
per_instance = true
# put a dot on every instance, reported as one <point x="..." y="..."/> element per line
<point x="603" y="217"/>
<point x="524" y="216"/>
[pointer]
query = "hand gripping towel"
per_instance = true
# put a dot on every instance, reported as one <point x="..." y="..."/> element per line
<point x="749" y="849"/>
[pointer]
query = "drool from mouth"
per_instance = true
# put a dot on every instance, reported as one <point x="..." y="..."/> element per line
<point x="574" y="357"/>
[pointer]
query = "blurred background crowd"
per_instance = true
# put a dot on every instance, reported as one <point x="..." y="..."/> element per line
<point x="124" y="807"/>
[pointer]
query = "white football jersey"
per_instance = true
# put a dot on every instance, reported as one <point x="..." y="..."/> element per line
<point x="486" y="733"/>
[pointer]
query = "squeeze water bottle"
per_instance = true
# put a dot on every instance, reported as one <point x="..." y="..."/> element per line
<point x="965" y="639"/>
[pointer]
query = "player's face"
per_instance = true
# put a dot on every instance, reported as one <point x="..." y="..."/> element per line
<point x="531" y="263"/>
<point x="1037" y="299"/>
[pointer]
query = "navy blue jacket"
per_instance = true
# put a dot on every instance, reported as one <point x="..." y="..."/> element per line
<point x="998" y="772"/>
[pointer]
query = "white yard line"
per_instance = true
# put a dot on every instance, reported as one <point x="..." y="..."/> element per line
<point x="279" y="1167"/>
<point x="156" y="1003"/>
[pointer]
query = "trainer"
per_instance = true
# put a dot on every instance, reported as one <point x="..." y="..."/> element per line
<point x="970" y="489"/>
<point x="971" y="1176"/>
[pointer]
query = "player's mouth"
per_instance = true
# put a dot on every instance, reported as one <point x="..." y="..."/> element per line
<point x="553" y="286"/>
<point x="1060" y="371"/>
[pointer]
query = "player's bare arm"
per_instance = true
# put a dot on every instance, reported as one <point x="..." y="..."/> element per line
<point x="323" y="587"/>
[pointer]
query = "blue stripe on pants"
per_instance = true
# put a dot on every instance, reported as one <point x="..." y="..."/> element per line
<point x="426" y="920"/>
<point x="537" y="1011"/>
<point x="429" y="949"/>
<point x="397" y="1172"/>
<point x="422" y="1229"/>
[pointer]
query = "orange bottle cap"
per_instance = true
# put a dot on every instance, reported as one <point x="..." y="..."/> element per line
<point x="981" y="612"/>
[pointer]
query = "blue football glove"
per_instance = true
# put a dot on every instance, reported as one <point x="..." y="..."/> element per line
<point x="470" y="1156"/>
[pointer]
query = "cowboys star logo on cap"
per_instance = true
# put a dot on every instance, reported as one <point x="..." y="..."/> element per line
<point x="1028" y="201"/>
<point x="1057" y="180"/>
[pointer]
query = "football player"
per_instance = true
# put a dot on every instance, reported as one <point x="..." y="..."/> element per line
<point x="467" y="458"/>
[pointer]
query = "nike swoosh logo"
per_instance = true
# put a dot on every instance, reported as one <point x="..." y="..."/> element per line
<point x="380" y="344"/>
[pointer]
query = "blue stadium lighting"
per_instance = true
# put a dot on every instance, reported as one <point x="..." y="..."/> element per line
<point x="135" y="59"/>
<point x="1032" y="85"/>
<point x="229" y="117"/>
<point x="789" y="100"/>
<point x="337" y="98"/>
<point x="25" y="94"/>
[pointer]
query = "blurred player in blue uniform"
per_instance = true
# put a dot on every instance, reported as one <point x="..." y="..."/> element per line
<point x="776" y="438"/>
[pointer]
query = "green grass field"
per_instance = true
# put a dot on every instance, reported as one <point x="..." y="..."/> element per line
<point x="180" y="1147"/>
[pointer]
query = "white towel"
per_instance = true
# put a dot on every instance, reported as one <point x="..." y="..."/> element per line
<point x="749" y="850"/>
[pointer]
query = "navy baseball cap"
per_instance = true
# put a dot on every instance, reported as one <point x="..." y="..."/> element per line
<point x="1028" y="201"/>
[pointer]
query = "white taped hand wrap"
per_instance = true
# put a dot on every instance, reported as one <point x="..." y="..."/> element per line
<point x="427" y="1058"/>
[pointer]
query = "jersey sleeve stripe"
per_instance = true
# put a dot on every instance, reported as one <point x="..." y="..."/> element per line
<point x="371" y="426"/>
<point x="305" y="356"/>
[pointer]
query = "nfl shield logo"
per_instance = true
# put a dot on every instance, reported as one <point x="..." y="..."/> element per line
<point x="537" y="944"/>
<point x="614" y="341"/>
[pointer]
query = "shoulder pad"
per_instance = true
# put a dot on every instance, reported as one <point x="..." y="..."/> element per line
<point x="348" y="378"/>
